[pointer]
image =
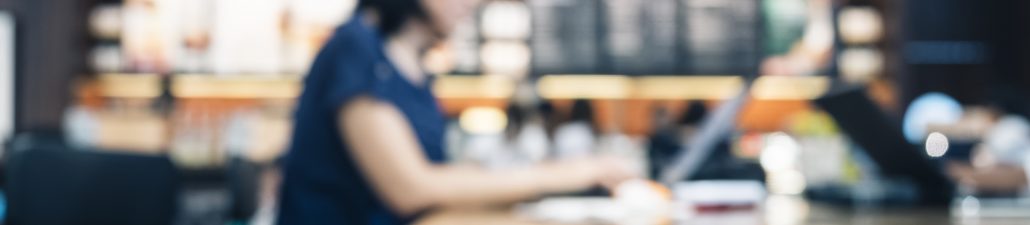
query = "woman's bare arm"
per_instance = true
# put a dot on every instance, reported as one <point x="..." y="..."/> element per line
<point x="389" y="155"/>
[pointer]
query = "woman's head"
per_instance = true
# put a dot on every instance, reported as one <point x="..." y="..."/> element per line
<point x="440" y="15"/>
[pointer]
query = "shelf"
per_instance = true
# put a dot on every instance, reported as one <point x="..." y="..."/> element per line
<point x="473" y="87"/>
<point x="236" y="86"/>
<point x="710" y="87"/>
<point x="130" y="85"/>
<point x="583" y="86"/>
<point x="790" y="88"/>
<point x="680" y="87"/>
<point x="688" y="87"/>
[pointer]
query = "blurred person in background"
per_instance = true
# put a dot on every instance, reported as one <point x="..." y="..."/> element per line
<point x="1000" y="163"/>
<point x="368" y="143"/>
<point x="577" y="136"/>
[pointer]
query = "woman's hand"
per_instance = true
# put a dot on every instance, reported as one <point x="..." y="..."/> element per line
<point x="614" y="171"/>
<point x="581" y="174"/>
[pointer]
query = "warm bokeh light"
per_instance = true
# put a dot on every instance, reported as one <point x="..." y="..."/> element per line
<point x="505" y="57"/>
<point x="780" y="152"/>
<point x="860" y="65"/>
<point x="483" y="120"/>
<point x="780" y="158"/>
<point x="506" y="20"/>
<point x="860" y="25"/>
<point x="585" y="86"/>
<point x="787" y="182"/>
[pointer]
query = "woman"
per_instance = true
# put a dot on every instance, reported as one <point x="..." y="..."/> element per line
<point x="367" y="146"/>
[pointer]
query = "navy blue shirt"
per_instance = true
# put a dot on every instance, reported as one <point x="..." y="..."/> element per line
<point x="322" y="183"/>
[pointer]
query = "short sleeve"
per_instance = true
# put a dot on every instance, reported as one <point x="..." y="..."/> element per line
<point x="353" y="68"/>
<point x="348" y="83"/>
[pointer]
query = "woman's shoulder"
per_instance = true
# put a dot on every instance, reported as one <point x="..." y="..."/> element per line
<point x="352" y="49"/>
<point x="354" y="38"/>
<point x="352" y="63"/>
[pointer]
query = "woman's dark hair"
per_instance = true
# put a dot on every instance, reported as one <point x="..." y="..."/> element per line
<point x="393" y="13"/>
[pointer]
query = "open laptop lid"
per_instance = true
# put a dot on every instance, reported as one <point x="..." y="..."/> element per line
<point x="713" y="130"/>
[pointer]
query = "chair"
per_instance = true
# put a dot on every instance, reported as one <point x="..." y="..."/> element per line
<point x="51" y="185"/>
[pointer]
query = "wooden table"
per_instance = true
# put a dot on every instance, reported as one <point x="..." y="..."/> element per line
<point x="784" y="212"/>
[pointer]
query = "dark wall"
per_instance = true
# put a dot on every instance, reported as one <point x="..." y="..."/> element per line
<point x="969" y="49"/>
<point x="945" y="48"/>
<point x="1010" y="83"/>
<point x="6" y="4"/>
<point x="52" y="42"/>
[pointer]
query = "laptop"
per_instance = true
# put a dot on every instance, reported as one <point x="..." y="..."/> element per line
<point x="714" y="130"/>
<point x="883" y="141"/>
